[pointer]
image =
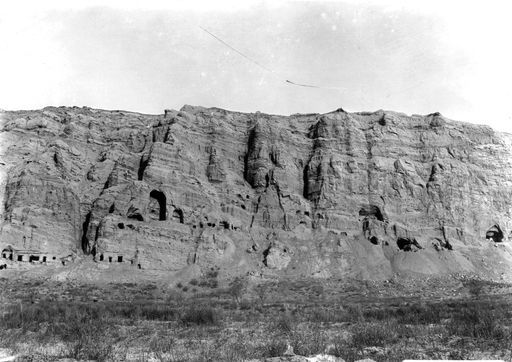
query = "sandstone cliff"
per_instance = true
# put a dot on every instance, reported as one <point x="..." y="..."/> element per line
<point x="339" y="194"/>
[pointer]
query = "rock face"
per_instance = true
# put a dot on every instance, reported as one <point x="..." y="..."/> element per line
<point x="359" y="194"/>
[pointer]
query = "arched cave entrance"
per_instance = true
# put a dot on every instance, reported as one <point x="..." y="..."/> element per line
<point x="7" y="253"/>
<point x="178" y="215"/>
<point x="495" y="233"/>
<point x="157" y="205"/>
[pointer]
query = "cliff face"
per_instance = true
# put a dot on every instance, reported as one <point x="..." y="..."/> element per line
<point x="338" y="194"/>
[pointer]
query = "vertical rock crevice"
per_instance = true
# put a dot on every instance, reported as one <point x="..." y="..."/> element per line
<point x="370" y="164"/>
<point x="144" y="161"/>
<point x="85" y="228"/>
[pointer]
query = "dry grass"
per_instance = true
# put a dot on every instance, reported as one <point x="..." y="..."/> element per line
<point x="222" y="325"/>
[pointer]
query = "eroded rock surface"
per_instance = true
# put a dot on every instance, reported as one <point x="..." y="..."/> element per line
<point x="360" y="194"/>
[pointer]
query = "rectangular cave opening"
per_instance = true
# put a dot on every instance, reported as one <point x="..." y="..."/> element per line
<point x="33" y="258"/>
<point x="101" y="257"/>
<point x="110" y="259"/>
<point x="44" y="259"/>
<point x="20" y="257"/>
<point x="120" y="259"/>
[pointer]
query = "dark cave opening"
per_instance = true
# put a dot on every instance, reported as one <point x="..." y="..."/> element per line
<point x="265" y="255"/>
<point x="136" y="216"/>
<point x="160" y="198"/>
<point x="495" y="234"/>
<point x="371" y="210"/>
<point x="7" y="253"/>
<point x="178" y="214"/>
<point x="407" y="244"/>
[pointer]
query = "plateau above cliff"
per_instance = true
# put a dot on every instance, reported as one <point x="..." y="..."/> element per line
<point x="364" y="195"/>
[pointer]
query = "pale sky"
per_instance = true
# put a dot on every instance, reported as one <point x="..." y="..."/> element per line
<point x="419" y="57"/>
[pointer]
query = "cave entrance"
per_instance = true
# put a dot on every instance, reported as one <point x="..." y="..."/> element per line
<point x="371" y="211"/>
<point x="157" y="205"/>
<point x="407" y="244"/>
<point x="495" y="234"/>
<point x="7" y="253"/>
<point x="136" y="216"/>
<point x="178" y="215"/>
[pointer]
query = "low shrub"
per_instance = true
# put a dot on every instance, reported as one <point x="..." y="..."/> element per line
<point x="477" y="321"/>
<point x="274" y="348"/>
<point x="373" y="334"/>
<point x="284" y="324"/>
<point x="200" y="316"/>
<point x="309" y="340"/>
<point x="246" y="304"/>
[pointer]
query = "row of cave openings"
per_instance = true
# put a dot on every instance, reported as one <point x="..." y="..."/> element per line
<point x="495" y="233"/>
<point x="158" y="208"/>
<point x="158" y="211"/>
<point x="111" y="259"/>
<point x="11" y="255"/>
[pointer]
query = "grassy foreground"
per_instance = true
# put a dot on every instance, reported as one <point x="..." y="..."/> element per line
<point x="132" y="323"/>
